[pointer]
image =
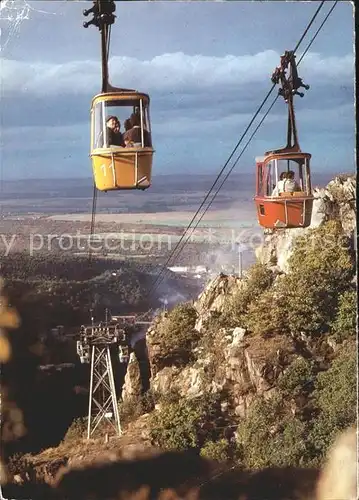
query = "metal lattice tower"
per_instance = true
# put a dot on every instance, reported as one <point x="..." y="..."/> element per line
<point x="102" y="397"/>
<point x="96" y="346"/>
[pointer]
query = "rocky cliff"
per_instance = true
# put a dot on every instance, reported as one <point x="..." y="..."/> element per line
<point x="248" y="362"/>
<point x="272" y="335"/>
<point x="258" y="370"/>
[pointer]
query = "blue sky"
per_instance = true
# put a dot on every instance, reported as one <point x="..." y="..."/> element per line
<point x="206" y="66"/>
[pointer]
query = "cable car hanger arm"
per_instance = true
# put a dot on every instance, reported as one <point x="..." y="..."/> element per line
<point x="103" y="18"/>
<point x="290" y="86"/>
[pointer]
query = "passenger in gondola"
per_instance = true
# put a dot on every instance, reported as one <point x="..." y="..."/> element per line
<point x="114" y="135"/>
<point x="280" y="187"/>
<point x="132" y="137"/>
<point x="294" y="186"/>
<point x="286" y="184"/>
<point x="127" y="124"/>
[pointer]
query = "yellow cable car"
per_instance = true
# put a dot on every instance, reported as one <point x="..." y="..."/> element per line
<point x="121" y="145"/>
<point x="121" y="158"/>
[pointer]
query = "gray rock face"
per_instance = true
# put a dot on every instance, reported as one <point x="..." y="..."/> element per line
<point x="231" y="359"/>
<point x="234" y="361"/>
<point x="132" y="384"/>
<point x="214" y="296"/>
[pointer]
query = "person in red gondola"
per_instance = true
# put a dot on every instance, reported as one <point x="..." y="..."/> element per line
<point x="286" y="184"/>
<point x="114" y="135"/>
<point x="280" y="187"/>
<point x="292" y="182"/>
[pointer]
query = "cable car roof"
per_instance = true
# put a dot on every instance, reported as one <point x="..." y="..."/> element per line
<point x="117" y="94"/>
<point x="287" y="155"/>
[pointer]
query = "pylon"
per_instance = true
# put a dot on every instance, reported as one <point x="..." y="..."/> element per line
<point x="95" y="346"/>
<point x="102" y="396"/>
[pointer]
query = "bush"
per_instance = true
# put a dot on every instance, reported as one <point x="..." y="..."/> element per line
<point x="335" y="400"/>
<point x="177" y="337"/>
<point x="258" y="280"/>
<point x="271" y="435"/>
<point x="185" y="424"/>
<point x="344" y="324"/>
<point x="217" y="450"/>
<point x="321" y="268"/>
<point x="297" y="379"/>
<point x="306" y="299"/>
<point x="77" y="430"/>
<point x="266" y="315"/>
<point x="133" y="408"/>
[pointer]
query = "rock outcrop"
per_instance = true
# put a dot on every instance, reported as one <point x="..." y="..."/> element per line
<point x="230" y="360"/>
<point x="132" y="386"/>
<point x="214" y="297"/>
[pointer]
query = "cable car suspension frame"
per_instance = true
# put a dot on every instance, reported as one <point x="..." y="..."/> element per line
<point x="288" y="89"/>
<point x="281" y="202"/>
<point x="104" y="17"/>
<point x="103" y="20"/>
<point x="119" y="161"/>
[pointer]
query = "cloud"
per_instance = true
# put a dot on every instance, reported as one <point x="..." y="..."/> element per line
<point x="206" y="89"/>
<point x="184" y="129"/>
<point x="327" y="69"/>
<point x="199" y="105"/>
<point x="167" y="72"/>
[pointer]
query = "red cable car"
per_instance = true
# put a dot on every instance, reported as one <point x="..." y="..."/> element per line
<point x="284" y="196"/>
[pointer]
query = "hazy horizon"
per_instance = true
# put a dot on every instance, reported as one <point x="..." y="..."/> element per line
<point x="318" y="173"/>
<point x="168" y="193"/>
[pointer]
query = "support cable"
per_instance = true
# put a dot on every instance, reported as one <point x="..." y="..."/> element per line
<point x="178" y="247"/>
<point x="94" y="196"/>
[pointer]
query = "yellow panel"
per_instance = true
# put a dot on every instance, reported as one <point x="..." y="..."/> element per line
<point x="113" y="171"/>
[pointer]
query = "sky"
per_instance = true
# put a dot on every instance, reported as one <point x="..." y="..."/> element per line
<point x="206" y="65"/>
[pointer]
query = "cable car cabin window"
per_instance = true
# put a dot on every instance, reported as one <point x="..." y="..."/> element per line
<point x="292" y="176"/>
<point x="270" y="176"/>
<point x="260" y="180"/>
<point x="121" y="124"/>
<point x="97" y="121"/>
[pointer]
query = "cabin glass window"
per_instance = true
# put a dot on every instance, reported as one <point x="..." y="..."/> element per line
<point x="306" y="176"/>
<point x="147" y="119"/>
<point x="97" y="116"/>
<point x="260" y="185"/>
<point x="299" y="169"/>
<point x="124" y="111"/>
<point x="270" y="176"/>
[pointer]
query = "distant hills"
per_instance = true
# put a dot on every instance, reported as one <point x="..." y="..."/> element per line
<point x="170" y="192"/>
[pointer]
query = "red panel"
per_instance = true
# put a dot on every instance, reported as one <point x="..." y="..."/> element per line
<point x="284" y="213"/>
